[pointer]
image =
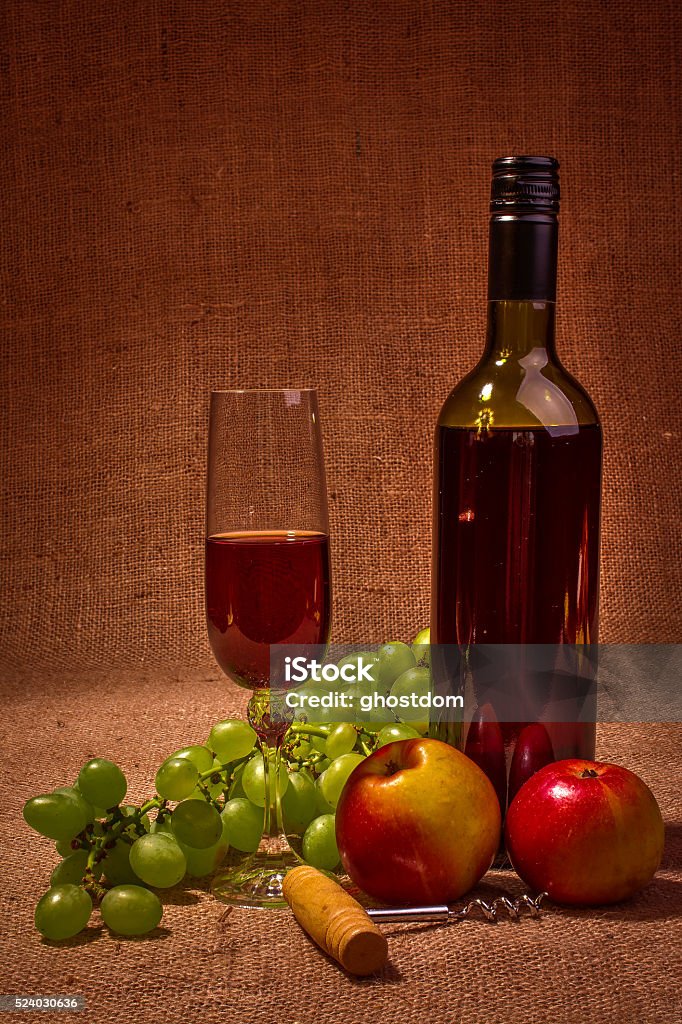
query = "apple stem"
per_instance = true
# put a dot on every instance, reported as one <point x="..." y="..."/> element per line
<point x="590" y="773"/>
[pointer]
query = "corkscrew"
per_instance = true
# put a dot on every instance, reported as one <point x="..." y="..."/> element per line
<point x="348" y="931"/>
<point x="489" y="910"/>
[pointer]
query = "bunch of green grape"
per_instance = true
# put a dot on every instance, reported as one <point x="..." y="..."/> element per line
<point x="209" y="798"/>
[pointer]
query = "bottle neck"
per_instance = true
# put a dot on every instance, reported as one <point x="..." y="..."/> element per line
<point x="516" y="327"/>
<point x="522" y="267"/>
<point x="522" y="258"/>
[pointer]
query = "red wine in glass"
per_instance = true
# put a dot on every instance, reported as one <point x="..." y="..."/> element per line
<point x="264" y="588"/>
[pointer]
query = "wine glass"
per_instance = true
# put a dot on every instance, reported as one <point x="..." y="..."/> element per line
<point x="267" y="583"/>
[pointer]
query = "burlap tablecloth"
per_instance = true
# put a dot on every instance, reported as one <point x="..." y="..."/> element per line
<point x="243" y="193"/>
<point x="615" y="964"/>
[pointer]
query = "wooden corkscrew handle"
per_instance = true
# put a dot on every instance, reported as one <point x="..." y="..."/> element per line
<point x="337" y="922"/>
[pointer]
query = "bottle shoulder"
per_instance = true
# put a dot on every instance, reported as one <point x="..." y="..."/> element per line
<point x="532" y="390"/>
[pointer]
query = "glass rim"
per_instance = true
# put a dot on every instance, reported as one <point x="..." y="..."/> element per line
<point x="265" y="391"/>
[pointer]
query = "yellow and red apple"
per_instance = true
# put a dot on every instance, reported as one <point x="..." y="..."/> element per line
<point x="585" y="832"/>
<point x="417" y="822"/>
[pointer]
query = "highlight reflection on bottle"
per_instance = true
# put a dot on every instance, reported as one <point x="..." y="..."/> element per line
<point x="517" y="482"/>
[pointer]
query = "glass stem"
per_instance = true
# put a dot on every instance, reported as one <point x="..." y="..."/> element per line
<point x="271" y="749"/>
<point x="270" y="732"/>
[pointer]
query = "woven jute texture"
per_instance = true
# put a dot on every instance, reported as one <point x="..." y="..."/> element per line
<point x="613" y="965"/>
<point x="236" y="193"/>
<point x="210" y="195"/>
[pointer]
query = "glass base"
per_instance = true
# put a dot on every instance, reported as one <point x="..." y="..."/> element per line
<point x="254" y="880"/>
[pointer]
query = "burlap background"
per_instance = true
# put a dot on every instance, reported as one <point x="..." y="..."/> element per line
<point x="219" y="194"/>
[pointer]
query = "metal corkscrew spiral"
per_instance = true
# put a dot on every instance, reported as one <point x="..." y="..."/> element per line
<point x="490" y="910"/>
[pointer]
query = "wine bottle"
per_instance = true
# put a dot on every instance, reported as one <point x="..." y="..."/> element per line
<point x="517" y="482"/>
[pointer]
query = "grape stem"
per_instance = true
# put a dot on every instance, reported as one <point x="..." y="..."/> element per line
<point x="228" y="769"/>
<point x="308" y="730"/>
<point x="107" y="841"/>
<point x="230" y="766"/>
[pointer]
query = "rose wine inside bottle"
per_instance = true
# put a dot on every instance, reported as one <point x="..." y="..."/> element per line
<point x="517" y="494"/>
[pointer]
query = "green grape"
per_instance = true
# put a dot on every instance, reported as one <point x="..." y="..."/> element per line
<point x="131" y="910"/>
<point x="367" y="658"/>
<point x="394" y="659"/>
<point x="158" y="860"/>
<point x="102" y="783"/>
<point x="322" y="765"/>
<point x="70" y="871"/>
<point x="394" y="733"/>
<point x="76" y="795"/>
<point x="336" y="776"/>
<point x="322" y="806"/>
<point x="201" y="863"/>
<point x="197" y="824"/>
<point x="116" y="865"/>
<point x="366" y="688"/>
<point x="201" y="757"/>
<point x="253" y="781"/>
<point x="315" y="714"/>
<point x="341" y="713"/>
<point x="299" y="803"/>
<point x="319" y="743"/>
<point x="63" y="912"/>
<point x="319" y="843"/>
<point x="98" y="812"/>
<point x="341" y="740"/>
<point x="329" y="694"/>
<point x="243" y="824"/>
<point x="176" y="778"/>
<point x="421" y="647"/>
<point x="236" y="788"/>
<point x="379" y="718"/>
<point x="415" y="681"/>
<point x="55" y="815"/>
<point x="232" y="739"/>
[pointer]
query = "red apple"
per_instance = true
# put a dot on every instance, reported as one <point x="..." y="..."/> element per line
<point x="585" y="832"/>
<point x="417" y="822"/>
